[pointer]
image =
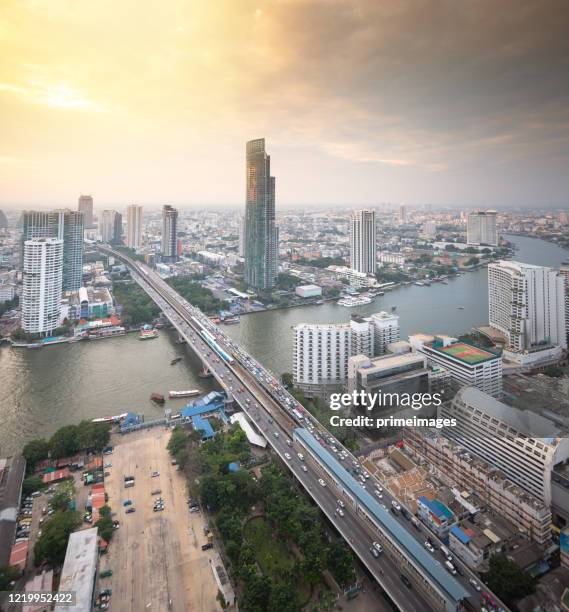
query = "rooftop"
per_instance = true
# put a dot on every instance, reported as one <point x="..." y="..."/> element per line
<point x="467" y="353"/>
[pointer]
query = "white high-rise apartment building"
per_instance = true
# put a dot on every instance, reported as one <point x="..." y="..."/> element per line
<point x="133" y="226"/>
<point x="385" y="331"/>
<point x="363" y="243"/>
<point x="321" y="353"/>
<point x="482" y="229"/>
<point x="564" y="272"/>
<point x="169" y="233"/>
<point x="527" y="304"/>
<point x="521" y="443"/>
<point x="42" y="282"/>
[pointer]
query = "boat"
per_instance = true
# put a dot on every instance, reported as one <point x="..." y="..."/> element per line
<point x="418" y="283"/>
<point x="187" y="393"/>
<point x="157" y="397"/>
<point x="231" y="321"/>
<point x="176" y="360"/>
<point x="147" y="332"/>
<point x="117" y="418"/>
<point x="394" y="308"/>
<point x="351" y="302"/>
<point x="460" y="307"/>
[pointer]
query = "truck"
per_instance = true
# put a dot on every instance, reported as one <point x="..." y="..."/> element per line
<point x="446" y="552"/>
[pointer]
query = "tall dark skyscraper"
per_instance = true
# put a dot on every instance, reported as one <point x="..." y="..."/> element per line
<point x="169" y="233"/>
<point x="261" y="239"/>
<point x="66" y="225"/>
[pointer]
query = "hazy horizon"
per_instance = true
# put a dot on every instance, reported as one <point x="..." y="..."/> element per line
<point x="360" y="101"/>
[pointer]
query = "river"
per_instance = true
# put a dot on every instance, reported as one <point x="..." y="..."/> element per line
<point x="41" y="390"/>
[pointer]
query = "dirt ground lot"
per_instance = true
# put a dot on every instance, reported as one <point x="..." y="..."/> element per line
<point x="156" y="557"/>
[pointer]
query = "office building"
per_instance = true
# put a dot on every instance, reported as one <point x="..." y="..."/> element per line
<point x="526" y="304"/>
<point x="481" y="228"/>
<point x="261" y="233"/>
<point x="169" y="249"/>
<point x="66" y="225"/>
<point x="466" y="363"/>
<point x="564" y="272"/>
<point x="402" y="214"/>
<point x="429" y="229"/>
<point x="465" y="472"/>
<point x="133" y="226"/>
<point x="241" y="251"/>
<point x="117" y="229"/>
<point x="385" y="331"/>
<point x="363" y="241"/>
<point x="86" y="207"/>
<point x="523" y="444"/>
<point x="111" y="227"/>
<point x="405" y="373"/>
<point x="42" y="282"/>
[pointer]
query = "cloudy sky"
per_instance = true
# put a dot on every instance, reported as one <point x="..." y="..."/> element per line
<point x="452" y="102"/>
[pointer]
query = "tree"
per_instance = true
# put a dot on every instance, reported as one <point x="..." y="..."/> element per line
<point x="105" y="524"/>
<point x="63" y="496"/>
<point x="64" y="442"/>
<point x="339" y="561"/>
<point x="9" y="574"/>
<point x="287" y="380"/>
<point x="508" y="580"/>
<point x="52" y="543"/>
<point x="31" y="484"/>
<point x="35" y="451"/>
<point x="93" y="436"/>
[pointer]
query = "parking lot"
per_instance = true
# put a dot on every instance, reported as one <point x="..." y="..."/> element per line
<point x="156" y="557"/>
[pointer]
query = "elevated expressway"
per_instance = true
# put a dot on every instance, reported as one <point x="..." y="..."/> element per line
<point x="413" y="578"/>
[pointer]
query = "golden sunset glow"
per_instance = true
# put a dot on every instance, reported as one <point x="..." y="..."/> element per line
<point x="361" y="101"/>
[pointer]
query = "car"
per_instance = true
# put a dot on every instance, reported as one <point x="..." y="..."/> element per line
<point x="429" y="547"/>
<point x="304" y="468"/>
<point x="475" y="584"/>
<point x="107" y="474"/>
<point x="158" y="508"/>
<point x="405" y="581"/>
<point x="194" y="509"/>
<point x="127" y="502"/>
<point x="155" y="474"/>
<point x="380" y="495"/>
<point x="287" y="456"/>
<point x="106" y="593"/>
<point x="377" y="546"/>
<point x="339" y="512"/>
<point x="106" y="573"/>
<point x="130" y="510"/>
<point x="300" y="456"/>
<point x="396" y="505"/>
<point x="156" y="492"/>
<point x="207" y="546"/>
<point x="374" y="552"/>
<point x="288" y="442"/>
<point x="321" y="482"/>
<point x="276" y="434"/>
<point x="108" y="465"/>
<point x="341" y="503"/>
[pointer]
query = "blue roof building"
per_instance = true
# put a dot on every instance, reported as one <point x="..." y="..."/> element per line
<point x="436" y="515"/>
<point x="204" y="426"/>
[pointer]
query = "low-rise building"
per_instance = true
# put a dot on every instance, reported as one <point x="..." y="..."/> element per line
<point x="306" y="291"/>
<point x="438" y="517"/>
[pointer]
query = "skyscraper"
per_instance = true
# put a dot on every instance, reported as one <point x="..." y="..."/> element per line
<point x="67" y="225"/>
<point x="107" y="225"/>
<point x="363" y="241"/>
<point x="481" y="228"/>
<point x="117" y="229"/>
<point x="42" y="281"/>
<point x="261" y="233"/>
<point x="564" y="271"/>
<point x="133" y="226"/>
<point x="527" y="304"/>
<point x="169" y="233"/>
<point x="402" y="214"/>
<point x="86" y="207"/>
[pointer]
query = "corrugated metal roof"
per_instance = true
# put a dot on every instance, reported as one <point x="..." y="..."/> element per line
<point x="459" y="534"/>
<point x="406" y="541"/>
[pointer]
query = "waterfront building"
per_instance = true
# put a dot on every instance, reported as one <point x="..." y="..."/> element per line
<point x="357" y="280"/>
<point x="521" y="443"/>
<point x="465" y="472"/>
<point x="260" y="232"/>
<point x="308" y="291"/>
<point x="133" y="226"/>
<point x="391" y="257"/>
<point x="85" y="205"/>
<point x="564" y="272"/>
<point x="467" y="364"/>
<point x="42" y="282"/>
<point x="87" y="303"/>
<point x="482" y="229"/>
<point x="526" y="303"/>
<point x="386" y="331"/>
<point x="321" y="353"/>
<point x="66" y="225"/>
<point x="169" y="250"/>
<point x="363" y="243"/>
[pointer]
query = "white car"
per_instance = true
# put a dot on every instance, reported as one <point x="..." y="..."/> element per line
<point x="304" y="468"/>
<point x="321" y="482"/>
<point x="429" y="547"/>
<point x="396" y="505"/>
<point x="276" y="434"/>
<point x="378" y="494"/>
<point x="475" y="584"/>
<point x="287" y="456"/>
<point x="300" y="456"/>
<point x="339" y="511"/>
<point x="377" y="546"/>
<point x="341" y="504"/>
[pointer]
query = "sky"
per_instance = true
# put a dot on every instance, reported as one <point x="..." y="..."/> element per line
<point x="361" y="101"/>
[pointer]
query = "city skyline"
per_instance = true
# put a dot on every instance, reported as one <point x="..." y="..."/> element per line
<point x="464" y="108"/>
